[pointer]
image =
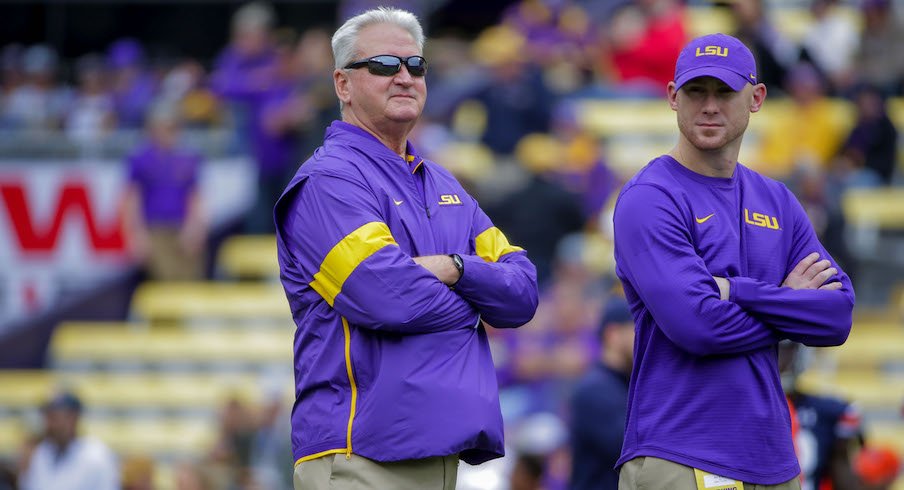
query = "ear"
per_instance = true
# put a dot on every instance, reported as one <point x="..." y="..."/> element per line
<point x="759" y="96"/>
<point x="341" y="83"/>
<point x="673" y="96"/>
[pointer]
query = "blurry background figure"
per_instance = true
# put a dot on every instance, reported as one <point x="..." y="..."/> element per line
<point x="166" y="224"/>
<point x="515" y="98"/>
<point x="132" y="85"/>
<point x="814" y="189"/>
<point x="830" y="43"/>
<point x="541" y="453"/>
<point x="599" y="403"/>
<point x="877" y="467"/>
<point x="539" y="212"/>
<point x="250" y="74"/>
<point x="39" y="103"/>
<point x="91" y="115"/>
<point x="879" y="64"/>
<point x="641" y="44"/>
<point x="65" y="460"/>
<point x="810" y="134"/>
<point x="229" y="463"/>
<point x="869" y="154"/>
<point x="774" y="53"/>
<point x="826" y="430"/>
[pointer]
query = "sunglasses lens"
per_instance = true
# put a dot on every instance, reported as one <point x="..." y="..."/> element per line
<point x="384" y="66"/>
<point x="417" y="66"/>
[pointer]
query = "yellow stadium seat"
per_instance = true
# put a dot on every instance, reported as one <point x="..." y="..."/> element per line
<point x="871" y="347"/>
<point x="249" y="256"/>
<point x="118" y="343"/>
<point x="12" y="435"/>
<point x="881" y="208"/>
<point x="162" y="438"/>
<point x="157" y="301"/>
<point x="707" y="20"/>
<point x="870" y="388"/>
<point x="134" y="390"/>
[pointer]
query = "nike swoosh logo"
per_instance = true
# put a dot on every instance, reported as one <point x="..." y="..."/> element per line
<point x="397" y="203"/>
<point x="703" y="219"/>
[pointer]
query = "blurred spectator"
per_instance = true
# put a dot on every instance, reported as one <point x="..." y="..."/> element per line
<point x="185" y="86"/>
<point x="821" y="201"/>
<point x="871" y="151"/>
<point x="539" y="213"/>
<point x="540" y="443"/>
<point x="314" y="60"/>
<point x="167" y="225"/>
<point x="133" y="87"/>
<point x="773" y="52"/>
<point x="38" y="103"/>
<point x="599" y="403"/>
<point x="91" y="115"/>
<point x="258" y="74"/>
<point x="558" y="38"/>
<point x="271" y="449"/>
<point x="879" y="61"/>
<point x="188" y="476"/>
<point x="826" y="429"/>
<point x="229" y="463"/>
<point x="64" y="460"/>
<point x="516" y="99"/>
<point x="877" y="467"/>
<point x="644" y="39"/>
<point x="830" y="43"/>
<point x="583" y="170"/>
<point x="810" y="133"/>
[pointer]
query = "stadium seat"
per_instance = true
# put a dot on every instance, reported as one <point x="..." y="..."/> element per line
<point x="119" y="343"/>
<point x="157" y="437"/>
<point x="872" y="347"/>
<point x="159" y="301"/>
<point x="881" y="208"/>
<point x="870" y="388"/>
<point x="248" y="257"/>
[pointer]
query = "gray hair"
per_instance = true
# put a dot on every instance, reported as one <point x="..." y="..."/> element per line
<point x="346" y="37"/>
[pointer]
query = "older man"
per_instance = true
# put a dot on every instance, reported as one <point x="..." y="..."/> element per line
<point x="392" y="272"/>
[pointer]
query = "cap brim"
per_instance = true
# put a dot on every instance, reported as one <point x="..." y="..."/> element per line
<point x="732" y="79"/>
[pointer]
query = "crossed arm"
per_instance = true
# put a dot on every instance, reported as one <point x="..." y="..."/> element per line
<point x="657" y="258"/>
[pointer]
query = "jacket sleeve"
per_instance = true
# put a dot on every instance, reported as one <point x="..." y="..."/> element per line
<point x="809" y="316"/>
<point x="655" y="254"/>
<point x="499" y="279"/>
<point x="333" y="231"/>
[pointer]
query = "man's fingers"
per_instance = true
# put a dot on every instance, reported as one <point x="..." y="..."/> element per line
<point x="816" y="269"/>
<point x="824" y="276"/>
<point x="805" y="264"/>
<point x="831" y="286"/>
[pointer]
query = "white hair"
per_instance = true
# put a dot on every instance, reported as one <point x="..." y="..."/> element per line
<point x="346" y="37"/>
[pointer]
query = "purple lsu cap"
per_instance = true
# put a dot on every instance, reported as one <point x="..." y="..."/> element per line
<point x="716" y="55"/>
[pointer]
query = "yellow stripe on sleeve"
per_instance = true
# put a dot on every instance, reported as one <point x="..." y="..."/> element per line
<point x="492" y="244"/>
<point x="342" y="260"/>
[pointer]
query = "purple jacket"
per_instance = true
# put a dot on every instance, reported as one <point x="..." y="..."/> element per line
<point x="705" y="389"/>
<point x="390" y="363"/>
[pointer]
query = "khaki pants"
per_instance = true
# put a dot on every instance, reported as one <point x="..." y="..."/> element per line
<point x="335" y="472"/>
<point x="647" y="473"/>
<point x="169" y="261"/>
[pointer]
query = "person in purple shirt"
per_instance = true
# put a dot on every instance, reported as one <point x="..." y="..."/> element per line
<point x="719" y="264"/>
<point x="393" y="274"/>
<point x="165" y="221"/>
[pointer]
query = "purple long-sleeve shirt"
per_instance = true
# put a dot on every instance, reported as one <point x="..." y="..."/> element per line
<point x="705" y="389"/>
<point x="390" y="363"/>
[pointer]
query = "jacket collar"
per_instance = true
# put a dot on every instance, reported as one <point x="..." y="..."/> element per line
<point x="343" y="132"/>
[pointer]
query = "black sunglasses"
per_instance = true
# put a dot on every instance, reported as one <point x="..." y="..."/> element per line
<point x="387" y="65"/>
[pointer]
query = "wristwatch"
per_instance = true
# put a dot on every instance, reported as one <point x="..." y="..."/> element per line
<point x="460" y="265"/>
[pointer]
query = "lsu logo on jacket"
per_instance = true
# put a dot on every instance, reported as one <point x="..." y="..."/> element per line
<point x="761" y="220"/>
<point x="447" y="199"/>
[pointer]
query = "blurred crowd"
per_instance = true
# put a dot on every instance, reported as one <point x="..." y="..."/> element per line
<point x="503" y="115"/>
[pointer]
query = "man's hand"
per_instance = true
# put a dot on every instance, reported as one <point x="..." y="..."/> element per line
<point x="724" y="287"/>
<point x="812" y="273"/>
<point x="441" y="266"/>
